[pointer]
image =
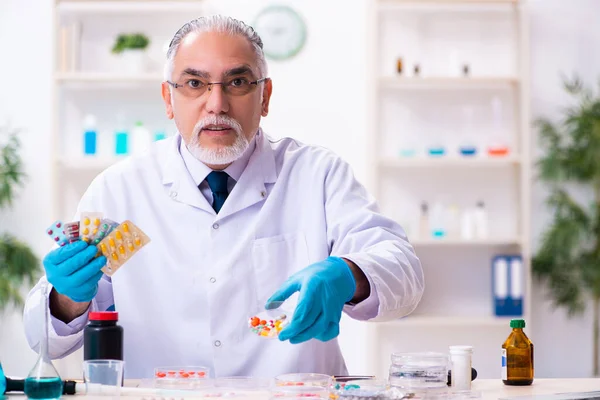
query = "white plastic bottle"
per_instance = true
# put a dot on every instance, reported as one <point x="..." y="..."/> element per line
<point x="481" y="221"/>
<point x="460" y="359"/>
<point x="141" y="138"/>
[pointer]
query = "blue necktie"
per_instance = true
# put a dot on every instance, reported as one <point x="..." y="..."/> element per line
<point x="217" y="180"/>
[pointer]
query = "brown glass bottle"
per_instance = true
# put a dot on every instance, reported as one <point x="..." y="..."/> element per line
<point x="517" y="356"/>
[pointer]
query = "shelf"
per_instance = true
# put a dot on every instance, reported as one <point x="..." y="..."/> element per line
<point x="436" y="83"/>
<point x="448" y="321"/>
<point x="463" y="243"/>
<point x="107" y="77"/>
<point x="448" y="5"/>
<point x="130" y="6"/>
<point x="447" y="161"/>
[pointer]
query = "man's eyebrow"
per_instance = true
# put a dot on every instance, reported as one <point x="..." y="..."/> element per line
<point x="195" y="72"/>
<point x="242" y="69"/>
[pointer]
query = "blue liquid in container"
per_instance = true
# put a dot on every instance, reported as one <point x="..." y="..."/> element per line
<point x="121" y="139"/>
<point x="437" y="151"/>
<point x="438" y="233"/>
<point x="468" y="150"/>
<point x="89" y="140"/>
<point x="43" y="388"/>
<point x="408" y="152"/>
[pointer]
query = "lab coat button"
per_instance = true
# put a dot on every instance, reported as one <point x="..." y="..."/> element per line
<point x="215" y="226"/>
<point x="173" y="194"/>
<point x="263" y="194"/>
<point x="217" y="343"/>
<point x="213" y="279"/>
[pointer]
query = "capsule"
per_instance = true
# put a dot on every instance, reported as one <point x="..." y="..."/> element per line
<point x="114" y="256"/>
<point x="103" y="247"/>
<point x="119" y="235"/>
<point x="86" y="221"/>
<point x="111" y="241"/>
<point x="97" y="222"/>
<point x="125" y="227"/>
<point x="122" y="249"/>
<point x="130" y="246"/>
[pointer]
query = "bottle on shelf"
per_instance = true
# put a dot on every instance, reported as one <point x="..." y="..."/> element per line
<point x="438" y="221"/>
<point x="480" y="218"/>
<point x="453" y="221"/>
<point x="140" y="138"/>
<point x="497" y="146"/>
<point x="121" y="139"/>
<point x="90" y="135"/>
<point x="468" y="147"/>
<point x="424" y="220"/>
<point x="517" y="356"/>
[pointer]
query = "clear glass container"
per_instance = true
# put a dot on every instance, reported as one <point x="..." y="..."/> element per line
<point x="43" y="381"/>
<point x="370" y="389"/>
<point x="304" y="379"/>
<point x="182" y="377"/>
<point x="421" y="371"/>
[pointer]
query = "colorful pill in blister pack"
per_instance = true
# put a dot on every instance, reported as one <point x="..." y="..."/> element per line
<point x="120" y="244"/>
<point x="89" y="224"/>
<point x="56" y="232"/>
<point x="71" y="230"/>
<point x="106" y="227"/>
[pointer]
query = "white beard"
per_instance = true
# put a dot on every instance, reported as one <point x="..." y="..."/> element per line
<point x="222" y="156"/>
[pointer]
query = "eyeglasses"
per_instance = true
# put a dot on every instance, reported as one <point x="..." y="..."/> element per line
<point x="195" y="87"/>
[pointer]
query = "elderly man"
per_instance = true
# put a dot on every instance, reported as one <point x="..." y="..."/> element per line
<point x="239" y="222"/>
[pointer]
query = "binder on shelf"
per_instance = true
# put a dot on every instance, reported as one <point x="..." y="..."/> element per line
<point x="507" y="285"/>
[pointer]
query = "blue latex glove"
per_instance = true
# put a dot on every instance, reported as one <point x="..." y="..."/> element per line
<point x="73" y="270"/>
<point x="324" y="289"/>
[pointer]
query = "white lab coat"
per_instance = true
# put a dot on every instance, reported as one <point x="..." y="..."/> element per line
<point x="185" y="298"/>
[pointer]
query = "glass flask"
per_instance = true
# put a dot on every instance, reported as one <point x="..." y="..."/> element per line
<point x="43" y="381"/>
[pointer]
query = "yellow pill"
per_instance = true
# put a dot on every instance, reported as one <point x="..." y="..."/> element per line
<point x="138" y="241"/>
<point x="264" y="333"/>
<point x="126" y="228"/>
<point x="119" y="235"/>
<point x="86" y="231"/>
<point x="103" y="247"/>
<point x="97" y="222"/>
<point x="130" y="246"/>
<point x="86" y="221"/>
<point x="111" y="241"/>
<point x="122" y="249"/>
<point x="87" y="240"/>
<point x="114" y="256"/>
<point x="95" y="231"/>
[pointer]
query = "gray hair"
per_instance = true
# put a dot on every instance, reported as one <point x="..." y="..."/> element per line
<point x="220" y="24"/>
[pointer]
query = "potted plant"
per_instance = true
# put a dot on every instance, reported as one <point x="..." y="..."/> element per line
<point x="18" y="264"/>
<point x="131" y="48"/>
<point x="568" y="259"/>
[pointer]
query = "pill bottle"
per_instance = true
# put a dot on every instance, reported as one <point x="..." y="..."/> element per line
<point x="460" y="362"/>
<point x="517" y="356"/>
<point x="102" y="337"/>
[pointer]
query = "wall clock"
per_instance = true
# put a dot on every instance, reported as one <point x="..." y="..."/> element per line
<point x="282" y="30"/>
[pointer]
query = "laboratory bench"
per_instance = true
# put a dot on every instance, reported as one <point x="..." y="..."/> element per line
<point x="488" y="388"/>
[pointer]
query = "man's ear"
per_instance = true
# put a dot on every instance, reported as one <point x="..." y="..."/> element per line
<point x="267" y="91"/>
<point x="166" y="95"/>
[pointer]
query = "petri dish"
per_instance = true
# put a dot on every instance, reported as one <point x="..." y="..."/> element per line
<point x="427" y="370"/>
<point x="268" y="323"/>
<point x="304" y="379"/>
<point x="360" y="389"/>
<point x="184" y="377"/>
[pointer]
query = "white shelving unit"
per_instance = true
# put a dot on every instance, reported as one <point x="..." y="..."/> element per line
<point x="441" y="104"/>
<point x="90" y="79"/>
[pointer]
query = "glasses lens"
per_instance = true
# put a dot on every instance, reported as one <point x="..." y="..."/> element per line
<point x="192" y="87"/>
<point x="239" y="86"/>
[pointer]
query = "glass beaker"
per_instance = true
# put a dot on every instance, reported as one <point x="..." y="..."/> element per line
<point x="43" y="381"/>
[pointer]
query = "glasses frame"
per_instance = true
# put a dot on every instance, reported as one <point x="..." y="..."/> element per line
<point x="210" y="85"/>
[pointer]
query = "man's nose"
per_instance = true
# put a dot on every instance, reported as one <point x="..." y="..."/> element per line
<point x="217" y="101"/>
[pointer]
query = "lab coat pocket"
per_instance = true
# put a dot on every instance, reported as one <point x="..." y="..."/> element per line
<point x="274" y="259"/>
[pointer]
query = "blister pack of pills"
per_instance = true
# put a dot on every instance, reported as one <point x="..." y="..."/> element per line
<point x="106" y="227"/>
<point x="71" y="230"/>
<point x="57" y="234"/>
<point x="121" y="244"/>
<point x="89" y="225"/>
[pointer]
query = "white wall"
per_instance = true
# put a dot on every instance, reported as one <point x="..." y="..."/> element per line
<point x="311" y="102"/>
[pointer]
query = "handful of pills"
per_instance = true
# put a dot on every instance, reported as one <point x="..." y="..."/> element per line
<point x="266" y="326"/>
